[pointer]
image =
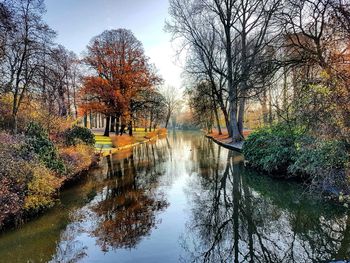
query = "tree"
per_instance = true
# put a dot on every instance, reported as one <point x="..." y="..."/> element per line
<point x="23" y="49"/>
<point x="231" y="33"/>
<point x="121" y="71"/>
<point x="171" y="101"/>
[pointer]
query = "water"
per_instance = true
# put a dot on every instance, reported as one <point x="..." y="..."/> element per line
<point x="181" y="199"/>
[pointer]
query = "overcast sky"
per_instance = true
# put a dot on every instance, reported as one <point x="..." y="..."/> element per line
<point x="77" y="21"/>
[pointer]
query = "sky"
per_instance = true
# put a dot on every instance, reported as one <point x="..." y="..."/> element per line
<point x="77" y="21"/>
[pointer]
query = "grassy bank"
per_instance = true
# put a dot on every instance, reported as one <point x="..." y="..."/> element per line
<point x="34" y="166"/>
<point x="107" y="145"/>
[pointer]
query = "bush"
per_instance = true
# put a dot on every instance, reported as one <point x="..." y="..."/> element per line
<point x="316" y="155"/>
<point x="271" y="149"/>
<point x="78" y="135"/>
<point x="77" y="158"/>
<point x="14" y="177"/>
<point x="323" y="163"/>
<point x="42" y="189"/>
<point x="38" y="143"/>
<point x="25" y="183"/>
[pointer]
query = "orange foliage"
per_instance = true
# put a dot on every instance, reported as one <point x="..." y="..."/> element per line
<point x="124" y="140"/>
<point x="122" y="71"/>
<point x="76" y="158"/>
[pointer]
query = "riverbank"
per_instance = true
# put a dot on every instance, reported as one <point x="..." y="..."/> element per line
<point x="35" y="167"/>
<point x="225" y="141"/>
<point x="322" y="165"/>
<point x="106" y="145"/>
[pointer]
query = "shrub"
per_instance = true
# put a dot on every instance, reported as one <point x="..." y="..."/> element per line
<point x="77" y="158"/>
<point x="271" y="149"/>
<point x="324" y="163"/>
<point x="38" y="143"/>
<point x="42" y="189"/>
<point x="78" y="135"/>
<point x="15" y="175"/>
<point x="315" y="155"/>
<point x="279" y="149"/>
<point x="124" y="140"/>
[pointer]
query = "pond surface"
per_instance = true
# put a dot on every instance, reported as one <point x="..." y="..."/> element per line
<point x="181" y="199"/>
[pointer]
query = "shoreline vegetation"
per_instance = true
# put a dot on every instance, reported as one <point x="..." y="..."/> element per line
<point x="322" y="165"/>
<point x="36" y="166"/>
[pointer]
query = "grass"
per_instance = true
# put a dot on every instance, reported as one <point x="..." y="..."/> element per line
<point x="113" y="143"/>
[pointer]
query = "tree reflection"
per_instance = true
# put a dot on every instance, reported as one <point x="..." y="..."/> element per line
<point x="240" y="217"/>
<point x="128" y="206"/>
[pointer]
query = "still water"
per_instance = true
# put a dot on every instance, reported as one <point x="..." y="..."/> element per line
<point x="181" y="199"/>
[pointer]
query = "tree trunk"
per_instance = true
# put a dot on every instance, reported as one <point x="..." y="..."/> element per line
<point x="216" y="115"/>
<point x="150" y="120"/>
<point x="227" y="121"/>
<point x="85" y="120"/>
<point x="241" y="116"/>
<point x="122" y="129"/>
<point x="61" y="103"/>
<point x="112" y="124"/>
<point x="236" y="136"/>
<point x="117" y="124"/>
<point x="232" y="90"/>
<point x="106" y="133"/>
<point x="130" y="128"/>
<point x="167" y="118"/>
<point x="90" y="119"/>
<point x="14" y="123"/>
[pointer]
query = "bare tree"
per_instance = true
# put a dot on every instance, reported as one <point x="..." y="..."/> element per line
<point x="171" y="100"/>
<point x="239" y="31"/>
<point x="23" y="49"/>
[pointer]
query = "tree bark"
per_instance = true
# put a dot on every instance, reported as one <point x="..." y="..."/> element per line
<point x="217" y="121"/>
<point x="85" y="120"/>
<point x="150" y="121"/>
<point x="130" y="128"/>
<point x="117" y="124"/>
<point x="113" y="124"/>
<point x="90" y="119"/>
<point x="167" y="119"/>
<point x="241" y="116"/>
<point x="106" y="133"/>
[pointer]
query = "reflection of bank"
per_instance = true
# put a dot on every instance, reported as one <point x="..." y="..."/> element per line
<point x="237" y="216"/>
<point x="128" y="206"/>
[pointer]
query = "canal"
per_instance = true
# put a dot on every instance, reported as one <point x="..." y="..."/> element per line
<point x="181" y="198"/>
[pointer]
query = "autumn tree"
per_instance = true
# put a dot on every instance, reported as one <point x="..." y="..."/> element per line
<point x="121" y="70"/>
